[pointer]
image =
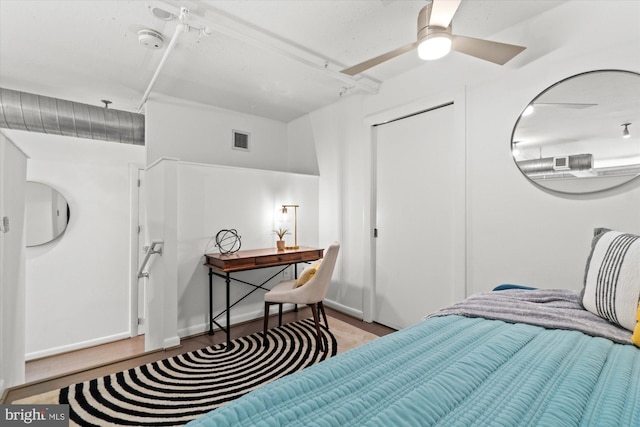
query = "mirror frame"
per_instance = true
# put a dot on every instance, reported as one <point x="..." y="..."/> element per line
<point x="596" y="183"/>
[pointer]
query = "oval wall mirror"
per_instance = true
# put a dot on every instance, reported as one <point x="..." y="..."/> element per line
<point x="582" y="134"/>
<point x="46" y="213"/>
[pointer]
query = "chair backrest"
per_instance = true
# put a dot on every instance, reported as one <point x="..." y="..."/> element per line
<point x="317" y="287"/>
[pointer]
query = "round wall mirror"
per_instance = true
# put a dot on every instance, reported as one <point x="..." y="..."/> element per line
<point x="46" y="213"/>
<point x="582" y="134"/>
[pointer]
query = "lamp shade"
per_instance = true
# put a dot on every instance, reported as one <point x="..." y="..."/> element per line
<point x="295" y="223"/>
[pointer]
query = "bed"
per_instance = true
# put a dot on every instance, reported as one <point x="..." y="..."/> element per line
<point x="511" y="357"/>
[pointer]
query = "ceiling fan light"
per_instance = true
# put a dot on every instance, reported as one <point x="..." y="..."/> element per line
<point x="434" y="47"/>
<point x="515" y="149"/>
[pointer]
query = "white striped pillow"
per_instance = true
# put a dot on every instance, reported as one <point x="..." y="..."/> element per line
<point x="612" y="277"/>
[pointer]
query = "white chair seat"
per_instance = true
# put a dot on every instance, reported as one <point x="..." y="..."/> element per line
<point x="284" y="286"/>
<point x="286" y="292"/>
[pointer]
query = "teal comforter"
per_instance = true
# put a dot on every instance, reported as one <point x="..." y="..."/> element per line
<point x="455" y="371"/>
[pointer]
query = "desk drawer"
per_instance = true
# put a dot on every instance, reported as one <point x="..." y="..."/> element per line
<point x="278" y="259"/>
<point x="259" y="258"/>
<point x="311" y="255"/>
<point x="231" y="263"/>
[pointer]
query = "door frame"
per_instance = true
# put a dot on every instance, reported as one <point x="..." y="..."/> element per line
<point x="135" y="182"/>
<point x="458" y="97"/>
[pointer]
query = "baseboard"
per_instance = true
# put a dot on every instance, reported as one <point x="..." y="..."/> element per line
<point x="235" y="319"/>
<point x="257" y="314"/>
<point x="358" y="314"/>
<point x="171" y="342"/>
<point x="184" y="332"/>
<point x="76" y="346"/>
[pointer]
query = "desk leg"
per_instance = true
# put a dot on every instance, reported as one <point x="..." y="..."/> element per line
<point x="295" y="276"/>
<point x="228" y="280"/>
<point x="210" y="302"/>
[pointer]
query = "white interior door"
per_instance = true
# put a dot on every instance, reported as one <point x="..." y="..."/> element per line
<point x="414" y="217"/>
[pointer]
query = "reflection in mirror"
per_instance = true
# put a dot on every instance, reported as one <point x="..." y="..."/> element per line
<point x="582" y="134"/>
<point x="46" y="213"/>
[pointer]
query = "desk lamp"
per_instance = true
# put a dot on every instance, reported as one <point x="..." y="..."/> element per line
<point x="295" y="224"/>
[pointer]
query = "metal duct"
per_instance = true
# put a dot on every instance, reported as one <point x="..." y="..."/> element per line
<point x="547" y="164"/>
<point x="36" y="113"/>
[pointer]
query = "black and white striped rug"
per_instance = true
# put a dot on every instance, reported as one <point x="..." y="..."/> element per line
<point x="176" y="390"/>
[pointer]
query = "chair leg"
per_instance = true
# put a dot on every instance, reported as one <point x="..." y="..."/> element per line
<point x="314" y="310"/>
<point x="280" y="314"/>
<point x="324" y="315"/>
<point x="266" y="323"/>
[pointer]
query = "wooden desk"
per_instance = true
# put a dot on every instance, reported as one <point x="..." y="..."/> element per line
<point x="222" y="265"/>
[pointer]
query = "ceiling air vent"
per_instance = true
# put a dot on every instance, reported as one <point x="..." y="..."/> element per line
<point x="241" y="140"/>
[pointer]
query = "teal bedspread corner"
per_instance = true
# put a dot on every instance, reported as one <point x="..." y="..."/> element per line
<point x="455" y="371"/>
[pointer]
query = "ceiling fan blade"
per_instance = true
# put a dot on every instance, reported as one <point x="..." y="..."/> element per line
<point x="352" y="71"/>
<point x="442" y="12"/>
<point x="496" y="52"/>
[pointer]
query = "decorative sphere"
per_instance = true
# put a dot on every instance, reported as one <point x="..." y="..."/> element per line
<point x="228" y="241"/>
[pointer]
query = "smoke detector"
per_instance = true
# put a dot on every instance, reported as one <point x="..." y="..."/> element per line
<point x="150" y="39"/>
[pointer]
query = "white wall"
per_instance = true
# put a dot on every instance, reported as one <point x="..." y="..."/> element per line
<point x="77" y="286"/>
<point x="339" y="133"/>
<point x="202" y="133"/>
<point x="212" y="198"/>
<point x="13" y="174"/>
<point x="518" y="232"/>
<point x="188" y="204"/>
<point x="515" y="232"/>
<point x="302" y="156"/>
<point x="217" y="187"/>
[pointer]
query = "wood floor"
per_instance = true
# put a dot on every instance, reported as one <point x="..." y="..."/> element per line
<point x="59" y="371"/>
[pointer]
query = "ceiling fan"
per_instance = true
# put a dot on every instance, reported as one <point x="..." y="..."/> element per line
<point x="435" y="40"/>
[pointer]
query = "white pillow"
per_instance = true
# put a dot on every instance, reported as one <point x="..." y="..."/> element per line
<point x="612" y="277"/>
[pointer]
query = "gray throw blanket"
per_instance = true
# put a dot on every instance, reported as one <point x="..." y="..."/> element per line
<point x="551" y="309"/>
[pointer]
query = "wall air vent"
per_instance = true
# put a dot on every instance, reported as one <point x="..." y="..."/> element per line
<point x="561" y="163"/>
<point x="576" y="162"/>
<point x="241" y="140"/>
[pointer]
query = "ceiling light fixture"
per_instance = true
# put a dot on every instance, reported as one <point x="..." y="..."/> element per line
<point x="528" y="111"/>
<point x="625" y="131"/>
<point x="515" y="148"/>
<point x="436" y="40"/>
<point x="435" y="45"/>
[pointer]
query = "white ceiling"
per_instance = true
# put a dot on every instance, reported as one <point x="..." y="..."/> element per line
<point x="275" y="59"/>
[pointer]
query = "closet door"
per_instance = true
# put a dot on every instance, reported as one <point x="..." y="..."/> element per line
<point x="414" y="217"/>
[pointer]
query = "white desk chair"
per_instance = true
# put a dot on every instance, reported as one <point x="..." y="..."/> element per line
<point x="311" y="293"/>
